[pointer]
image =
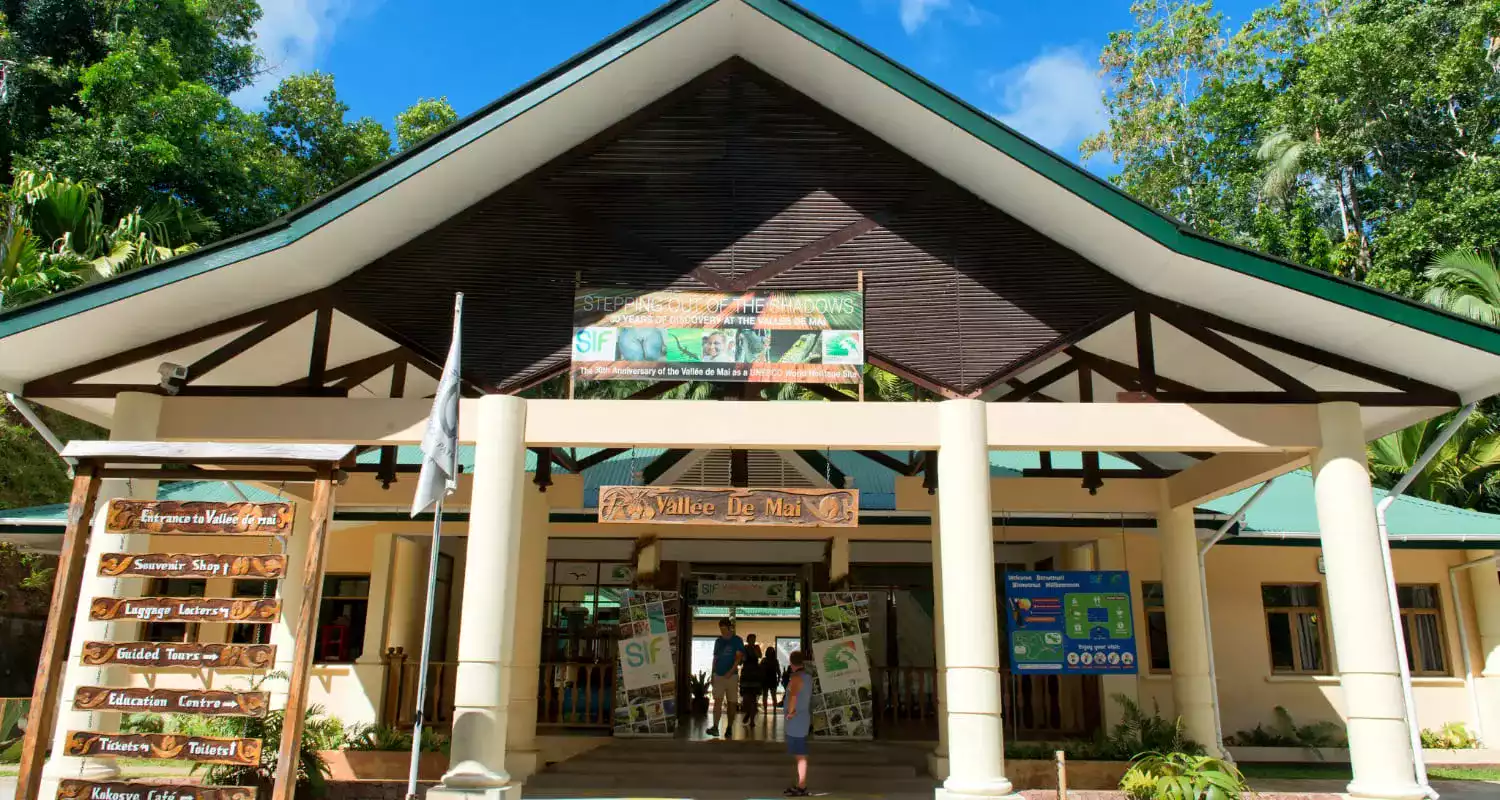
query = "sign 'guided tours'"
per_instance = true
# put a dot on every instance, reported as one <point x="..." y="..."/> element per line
<point x="205" y="702"/>
<point x="192" y="565"/>
<point x="191" y="655"/>
<point x="200" y="518"/>
<point x="72" y="789"/>
<point x="675" y="505"/>
<point x="184" y="609"/>
<point x="203" y="749"/>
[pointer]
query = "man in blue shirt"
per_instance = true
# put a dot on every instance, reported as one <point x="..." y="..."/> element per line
<point x="729" y="651"/>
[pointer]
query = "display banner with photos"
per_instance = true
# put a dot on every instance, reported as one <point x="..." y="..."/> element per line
<point x="733" y="337"/>
<point x="843" y="704"/>
<point x="646" y="681"/>
<point x="1070" y="623"/>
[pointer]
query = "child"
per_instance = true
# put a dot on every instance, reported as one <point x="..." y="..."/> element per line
<point x="798" y="702"/>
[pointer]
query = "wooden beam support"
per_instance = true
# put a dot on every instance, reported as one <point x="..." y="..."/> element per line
<point x="739" y="467"/>
<point x="1239" y="355"/>
<point x="243" y="342"/>
<point x="659" y="465"/>
<point x="1042" y="355"/>
<point x="898" y="466"/>
<point x="288" y="758"/>
<point x="107" y="391"/>
<point x="1145" y="351"/>
<point x="600" y="457"/>
<point x="317" y="358"/>
<point x="188" y="474"/>
<point x="1227" y="473"/>
<point x="1124" y="375"/>
<point x="1148" y="467"/>
<point x="1025" y="390"/>
<point x="824" y="466"/>
<point x="67" y="583"/>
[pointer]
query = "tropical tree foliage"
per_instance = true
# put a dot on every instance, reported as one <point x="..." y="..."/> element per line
<point x="1467" y="283"/>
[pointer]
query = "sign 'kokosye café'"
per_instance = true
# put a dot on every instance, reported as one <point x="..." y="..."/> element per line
<point x="675" y="505"/>
<point x="72" y="789"/>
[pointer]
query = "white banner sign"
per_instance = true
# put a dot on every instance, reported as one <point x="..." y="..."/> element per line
<point x="742" y="591"/>
<point x="842" y="664"/>
<point x="646" y="661"/>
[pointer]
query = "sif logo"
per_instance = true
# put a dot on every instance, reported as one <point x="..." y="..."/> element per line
<point x="645" y="651"/>
<point x="594" y="344"/>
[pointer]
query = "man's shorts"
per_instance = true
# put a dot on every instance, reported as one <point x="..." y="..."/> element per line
<point x="726" y="688"/>
<point x="796" y="745"/>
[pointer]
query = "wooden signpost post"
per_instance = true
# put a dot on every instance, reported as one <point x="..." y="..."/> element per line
<point x="100" y="460"/>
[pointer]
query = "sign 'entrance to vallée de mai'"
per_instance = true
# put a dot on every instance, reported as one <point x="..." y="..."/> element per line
<point x="727" y="337"/>
<point x="1070" y="623"/>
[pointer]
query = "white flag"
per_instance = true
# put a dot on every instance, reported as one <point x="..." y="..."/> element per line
<point x="440" y="441"/>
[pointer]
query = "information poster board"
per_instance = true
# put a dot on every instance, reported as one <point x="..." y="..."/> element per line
<point x="1070" y="623"/>
<point x="843" y="702"/>
<point x="732" y="337"/>
<point x="646" y="681"/>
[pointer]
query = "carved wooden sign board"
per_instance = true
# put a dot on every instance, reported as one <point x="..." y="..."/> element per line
<point x="189" y="656"/>
<point x="198" y="518"/>
<point x="171" y="746"/>
<point x="203" y="702"/>
<point x="192" y="565"/>
<point x="71" y="789"/>
<point x="184" y="609"/>
<point x="675" y="505"/>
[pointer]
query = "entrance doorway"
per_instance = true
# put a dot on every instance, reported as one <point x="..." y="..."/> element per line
<point x="766" y="608"/>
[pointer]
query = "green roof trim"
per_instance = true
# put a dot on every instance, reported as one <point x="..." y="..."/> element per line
<point x="1288" y="507"/>
<point x="1164" y="230"/>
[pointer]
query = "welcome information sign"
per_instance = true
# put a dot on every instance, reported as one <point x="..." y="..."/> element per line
<point x="732" y="337"/>
<point x="1070" y="623"/>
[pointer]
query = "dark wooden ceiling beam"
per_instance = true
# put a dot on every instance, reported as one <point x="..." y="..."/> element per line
<point x="1236" y="353"/>
<point x="659" y="465"/>
<point x="242" y="343"/>
<point x="594" y="459"/>
<point x="1148" y="467"/>
<point x="739" y="468"/>
<point x="317" y="357"/>
<point x="1145" y="351"/>
<point x="43" y="387"/>
<point x="1124" y="375"/>
<point x="890" y="462"/>
<point x="823" y="465"/>
<point x="1027" y="389"/>
<point x="109" y="390"/>
<point x="1043" y="354"/>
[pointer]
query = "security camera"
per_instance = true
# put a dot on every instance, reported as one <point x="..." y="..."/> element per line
<point x="173" y="376"/>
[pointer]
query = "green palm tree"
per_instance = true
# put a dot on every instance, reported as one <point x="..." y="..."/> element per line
<point x="1463" y="472"/>
<point x="1467" y="283"/>
<point x="54" y="236"/>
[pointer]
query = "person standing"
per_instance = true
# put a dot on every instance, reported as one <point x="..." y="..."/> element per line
<point x="798" y="702"/>
<point x="750" y="675"/>
<point x="729" y="652"/>
<point x="770" y="677"/>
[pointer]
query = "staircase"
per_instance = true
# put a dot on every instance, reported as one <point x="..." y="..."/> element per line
<point x="735" y="770"/>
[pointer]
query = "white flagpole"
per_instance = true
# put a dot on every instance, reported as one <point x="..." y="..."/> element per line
<point x="425" y="664"/>
<point x="426" y="660"/>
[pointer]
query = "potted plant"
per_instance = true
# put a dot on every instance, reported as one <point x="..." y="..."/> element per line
<point x="380" y="752"/>
<point x="698" y="688"/>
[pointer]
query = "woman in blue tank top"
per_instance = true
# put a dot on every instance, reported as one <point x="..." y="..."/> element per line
<point x="798" y="706"/>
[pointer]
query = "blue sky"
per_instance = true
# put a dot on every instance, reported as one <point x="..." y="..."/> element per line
<point x="1032" y="64"/>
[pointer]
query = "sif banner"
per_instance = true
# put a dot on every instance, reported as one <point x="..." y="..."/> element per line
<point x="842" y="703"/>
<point x="1070" y="623"/>
<point x="646" y="686"/>
<point x="756" y="337"/>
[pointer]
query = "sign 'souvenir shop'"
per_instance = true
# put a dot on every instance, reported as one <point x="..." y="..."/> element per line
<point x="677" y="505"/>
<point x="192" y="565"/>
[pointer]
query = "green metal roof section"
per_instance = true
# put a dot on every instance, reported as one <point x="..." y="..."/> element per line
<point x="1288" y="507"/>
<point x="1164" y="230"/>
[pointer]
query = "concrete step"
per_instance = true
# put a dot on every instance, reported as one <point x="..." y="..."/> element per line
<point x="666" y="784"/>
<point x="732" y="758"/>
<point x="742" y="768"/>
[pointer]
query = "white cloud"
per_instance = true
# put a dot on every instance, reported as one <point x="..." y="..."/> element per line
<point x="292" y="35"/>
<point x="915" y="13"/>
<point x="1056" y="98"/>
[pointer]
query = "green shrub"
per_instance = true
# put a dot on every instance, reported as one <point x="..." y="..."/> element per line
<point x="386" y="738"/>
<point x="1182" y="776"/>
<point x="1138" y="733"/>
<point x="1285" y="732"/>
<point x="1453" y="736"/>
<point x="312" y="770"/>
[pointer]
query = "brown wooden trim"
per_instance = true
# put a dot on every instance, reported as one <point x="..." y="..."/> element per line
<point x="1026" y="389"/>
<point x="317" y="358"/>
<point x="1149" y="467"/>
<point x="739" y="468"/>
<point x="1307" y="352"/>
<point x="67" y="583"/>
<point x="627" y="238"/>
<point x="1371" y="399"/>
<point x="1124" y="375"/>
<point x="257" y="475"/>
<point x="543" y="475"/>
<point x="41" y="386"/>
<point x="110" y="390"/>
<point x="302" y="651"/>
<point x="898" y="466"/>
<point x="600" y="457"/>
<point x="661" y="464"/>
<point x="1101" y="473"/>
<point x="1052" y="348"/>
<point x="240" y="344"/>
<point x="899" y="371"/>
<point x="824" y="466"/>
<point x="1145" y="351"/>
<point x="1238" y="355"/>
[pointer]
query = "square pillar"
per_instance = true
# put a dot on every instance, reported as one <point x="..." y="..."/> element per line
<point x="1484" y="585"/>
<point x="289" y="591"/>
<point x="1359" y="612"/>
<point x="481" y="691"/>
<point x="838" y="562"/>
<point x="971" y="639"/>
<point x="1109" y="554"/>
<point x="1187" y="633"/>
<point x="522" y="759"/>
<point x="136" y="418"/>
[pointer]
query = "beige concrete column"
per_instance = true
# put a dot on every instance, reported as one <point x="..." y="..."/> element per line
<point x="937" y="760"/>
<point x="1484" y="587"/>
<point x="1182" y="584"/>
<point x="408" y="594"/>
<point x="971" y="644"/>
<point x="382" y="558"/>
<point x="1078" y="557"/>
<point x="481" y="692"/>
<point x="1109" y="554"/>
<point x="522" y="759"/>
<point x="289" y="590"/>
<point x="136" y="418"/>
<point x="838" y="561"/>
<point x="647" y="561"/>
<point x="1359" y="611"/>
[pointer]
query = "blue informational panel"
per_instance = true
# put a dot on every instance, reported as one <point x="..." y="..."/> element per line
<point x="1070" y="623"/>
